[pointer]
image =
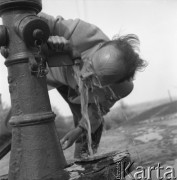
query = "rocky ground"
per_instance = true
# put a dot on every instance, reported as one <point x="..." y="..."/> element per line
<point x="150" y="141"/>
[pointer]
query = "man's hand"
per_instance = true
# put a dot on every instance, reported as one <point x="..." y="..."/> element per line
<point x="70" y="138"/>
<point x="58" y="43"/>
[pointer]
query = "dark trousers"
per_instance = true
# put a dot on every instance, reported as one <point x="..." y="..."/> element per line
<point x="76" y="111"/>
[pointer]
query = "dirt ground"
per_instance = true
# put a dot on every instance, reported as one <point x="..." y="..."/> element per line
<point x="149" y="142"/>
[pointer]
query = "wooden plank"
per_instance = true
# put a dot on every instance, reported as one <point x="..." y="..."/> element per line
<point x="5" y="147"/>
<point x="109" y="166"/>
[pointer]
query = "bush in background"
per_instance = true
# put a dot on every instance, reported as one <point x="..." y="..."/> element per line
<point x="63" y="124"/>
<point x="117" y="115"/>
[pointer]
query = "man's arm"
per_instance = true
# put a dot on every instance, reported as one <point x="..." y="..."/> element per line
<point x="80" y="126"/>
<point x="82" y="35"/>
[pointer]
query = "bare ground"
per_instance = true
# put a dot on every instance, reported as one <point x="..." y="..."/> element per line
<point x="149" y="141"/>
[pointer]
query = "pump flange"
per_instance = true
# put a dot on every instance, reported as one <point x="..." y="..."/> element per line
<point x="35" y="5"/>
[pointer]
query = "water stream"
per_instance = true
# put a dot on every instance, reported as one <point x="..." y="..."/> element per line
<point x="87" y="81"/>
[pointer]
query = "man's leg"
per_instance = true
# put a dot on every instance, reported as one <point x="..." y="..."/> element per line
<point x="96" y="137"/>
<point x="81" y="145"/>
<point x="81" y="142"/>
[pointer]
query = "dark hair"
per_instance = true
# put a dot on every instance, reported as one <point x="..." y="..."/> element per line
<point x="129" y="46"/>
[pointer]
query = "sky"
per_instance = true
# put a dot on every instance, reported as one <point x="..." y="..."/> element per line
<point x="153" y="21"/>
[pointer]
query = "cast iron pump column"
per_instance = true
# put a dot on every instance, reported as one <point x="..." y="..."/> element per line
<point x="36" y="152"/>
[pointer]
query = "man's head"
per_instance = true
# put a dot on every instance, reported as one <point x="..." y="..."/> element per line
<point x="117" y="60"/>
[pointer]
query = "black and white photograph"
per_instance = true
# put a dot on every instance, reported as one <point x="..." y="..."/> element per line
<point x="88" y="89"/>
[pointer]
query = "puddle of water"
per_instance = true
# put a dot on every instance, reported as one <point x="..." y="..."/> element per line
<point x="149" y="137"/>
<point x="150" y="130"/>
<point x="175" y="140"/>
<point x="172" y="122"/>
<point x="174" y="131"/>
<point x="144" y="130"/>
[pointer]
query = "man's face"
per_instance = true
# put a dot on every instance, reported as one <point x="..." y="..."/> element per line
<point x="108" y="64"/>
